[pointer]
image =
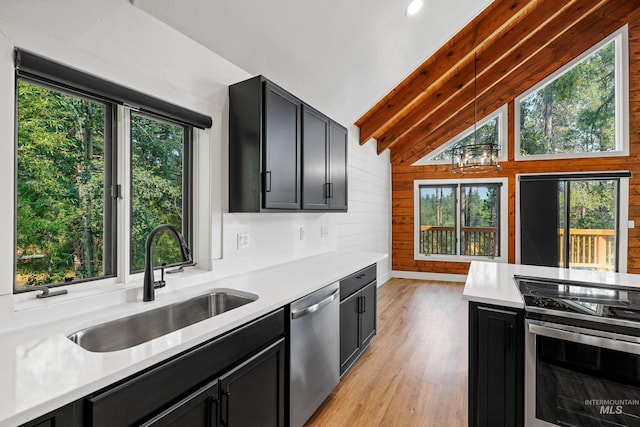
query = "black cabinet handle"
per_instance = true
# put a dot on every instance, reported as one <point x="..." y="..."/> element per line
<point x="225" y="405"/>
<point x="510" y="337"/>
<point x="326" y="190"/>
<point x="331" y="190"/>
<point x="364" y="304"/>
<point x="267" y="181"/>
<point x="213" y="411"/>
<point x="360" y="276"/>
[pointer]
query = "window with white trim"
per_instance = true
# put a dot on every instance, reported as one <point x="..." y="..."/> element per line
<point x="69" y="180"/>
<point x="460" y="219"/>
<point x="579" y="111"/>
<point x="493" y="127"/>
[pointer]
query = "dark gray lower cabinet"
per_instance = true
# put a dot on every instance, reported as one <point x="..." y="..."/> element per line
<point x="496" y="366"/>
<point x="249" y="395"/>
<point x="68" y="415"/>
<point x="198" y="409"/>
<point x="358" y="300"/>
<point x="253" y="393"/>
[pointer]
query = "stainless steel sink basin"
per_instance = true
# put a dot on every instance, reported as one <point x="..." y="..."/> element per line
<point x="133" y="330"/>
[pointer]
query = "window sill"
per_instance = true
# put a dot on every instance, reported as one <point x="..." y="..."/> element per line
<point x="90" y="296"/>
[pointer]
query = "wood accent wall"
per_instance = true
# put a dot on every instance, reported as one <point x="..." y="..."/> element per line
<point x="608" y="17"/>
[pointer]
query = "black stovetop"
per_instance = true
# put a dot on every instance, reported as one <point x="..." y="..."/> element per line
<point x="588" y="299"/>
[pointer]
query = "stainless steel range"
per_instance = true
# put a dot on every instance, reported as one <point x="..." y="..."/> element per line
<point x="582" y="353"/>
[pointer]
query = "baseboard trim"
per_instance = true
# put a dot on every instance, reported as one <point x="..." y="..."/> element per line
<point x="445" y="277"/>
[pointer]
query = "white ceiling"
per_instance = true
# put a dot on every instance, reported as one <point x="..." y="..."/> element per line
<point x="340" y="56"/>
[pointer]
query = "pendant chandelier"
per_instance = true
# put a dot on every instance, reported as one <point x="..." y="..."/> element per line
<point x="476" y="156"/>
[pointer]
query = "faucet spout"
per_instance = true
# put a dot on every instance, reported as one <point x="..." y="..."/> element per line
<point x="148" y="284"/>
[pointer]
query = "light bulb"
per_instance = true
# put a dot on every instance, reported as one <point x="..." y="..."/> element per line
<point x="414" y="7"/>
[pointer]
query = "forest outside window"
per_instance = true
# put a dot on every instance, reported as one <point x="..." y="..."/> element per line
<point x="580" y="111"/>
<point x="72" y="212"/>
<point x="462" y="219"/>
<point x="492" y="128"/>
<point x="65" y="218"/>
<point x="160" y="187"/>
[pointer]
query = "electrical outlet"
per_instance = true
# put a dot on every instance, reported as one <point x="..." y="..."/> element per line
<point x="301" y="233"/>
<point x="324" y="231"/>
<point x="632" y="224"/>
<point x="243" y="240"/>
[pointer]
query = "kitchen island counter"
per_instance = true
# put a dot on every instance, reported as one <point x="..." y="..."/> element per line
<point x="492" y="282"/>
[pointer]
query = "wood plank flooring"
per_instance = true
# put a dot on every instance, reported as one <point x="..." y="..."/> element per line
<point x="415" y="371"/>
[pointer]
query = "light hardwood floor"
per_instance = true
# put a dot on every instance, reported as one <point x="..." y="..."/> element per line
<point x="414" y="373"/>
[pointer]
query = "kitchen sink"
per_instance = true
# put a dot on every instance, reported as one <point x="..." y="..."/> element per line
<point x="132" y="330"/>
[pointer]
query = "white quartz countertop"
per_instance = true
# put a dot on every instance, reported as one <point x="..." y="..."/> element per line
<point x="41" y="370"/>
<point x="492" y="282"/>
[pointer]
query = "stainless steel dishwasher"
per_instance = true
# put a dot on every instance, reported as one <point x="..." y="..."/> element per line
<point x="315" y="351"/>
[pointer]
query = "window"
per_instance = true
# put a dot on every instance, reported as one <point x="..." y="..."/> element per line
<point x="493" y="127"/>
<point x="67" y="189"/>
<point x="460" y="219"/>
<point x="64" y="228"/>
<point x="160" y="183"/>
<point x="579" y="227"/>
<point x="580" y="111"/>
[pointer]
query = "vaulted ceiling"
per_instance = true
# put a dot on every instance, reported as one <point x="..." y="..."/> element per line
<point x="517" y="43"/>
<point x="341" y="56"/>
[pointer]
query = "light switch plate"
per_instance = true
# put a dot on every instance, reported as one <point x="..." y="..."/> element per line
<point x="243" y="240"/>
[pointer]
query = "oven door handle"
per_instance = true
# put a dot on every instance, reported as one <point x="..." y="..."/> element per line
<point x="583" y="338"/>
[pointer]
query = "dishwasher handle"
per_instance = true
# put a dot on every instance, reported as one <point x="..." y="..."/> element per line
<point x="315" y="307"/>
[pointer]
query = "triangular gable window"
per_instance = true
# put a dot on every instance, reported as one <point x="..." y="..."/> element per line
<point x="579" y="111"/>
<point x="494" y="127"/>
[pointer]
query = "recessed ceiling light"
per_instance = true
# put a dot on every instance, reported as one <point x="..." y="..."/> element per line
<point x="414" y="7"/>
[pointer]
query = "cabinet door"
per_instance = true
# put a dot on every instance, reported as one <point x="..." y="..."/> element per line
<point x="253" y="393"/>
<point x="281" y="177"/>
<point x="315" y="138"/>
<point x="496" y="390"/>
<point x="349" y="330"/>
<point x="368" y="312"/>
<point x="197" y="410"/>
<point x="337" y="167"/>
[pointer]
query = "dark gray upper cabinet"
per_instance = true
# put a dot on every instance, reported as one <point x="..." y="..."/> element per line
<point x="324" y="162"/>
<point x="264" y="147"/>
<point x="281" y="147"/>
<point x="337" y="167"/>
<point x="283" y="154"/>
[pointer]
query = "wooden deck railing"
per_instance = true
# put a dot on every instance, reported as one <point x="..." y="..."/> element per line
<point x="591" y="249"/>
<point x="476" y="241"/>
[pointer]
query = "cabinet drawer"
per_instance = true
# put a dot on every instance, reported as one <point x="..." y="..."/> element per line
<point x="144" y="395"/>
<point x="357" y="281"/>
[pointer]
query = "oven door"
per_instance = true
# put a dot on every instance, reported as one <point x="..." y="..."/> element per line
<point x="580" y="377"/>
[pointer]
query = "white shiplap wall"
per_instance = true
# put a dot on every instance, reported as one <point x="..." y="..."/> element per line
<point x="367" y="225"/>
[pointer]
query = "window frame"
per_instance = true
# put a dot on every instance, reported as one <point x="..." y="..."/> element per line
<point x="623" y="222"/>
<point x="621" y="65"/>
<point x="187" y="183"/>
<point x="110" y="219"/>
<point x="200" y="202"/>
<point x="502" y="228"/>
<point x="503" y="124"/>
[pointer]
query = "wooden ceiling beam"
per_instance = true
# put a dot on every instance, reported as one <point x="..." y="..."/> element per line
<point x="438" y="67"/>
<point x="576" y="39"/>
<point x="526" y="37"/>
